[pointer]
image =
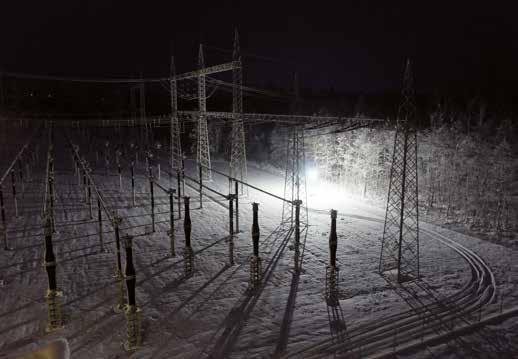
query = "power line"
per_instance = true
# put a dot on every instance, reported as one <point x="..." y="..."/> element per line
<point x="260" y="57"/>
<point x="82" y="79"/>
<point x="250" y="89"/>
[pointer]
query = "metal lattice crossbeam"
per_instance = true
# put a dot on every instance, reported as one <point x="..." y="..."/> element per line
<point x="208" y="70"/>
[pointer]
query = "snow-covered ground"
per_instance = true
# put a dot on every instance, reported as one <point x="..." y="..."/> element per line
<point x="212" y="314"/>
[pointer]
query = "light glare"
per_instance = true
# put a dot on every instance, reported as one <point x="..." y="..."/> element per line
<point x="312" y="174"/>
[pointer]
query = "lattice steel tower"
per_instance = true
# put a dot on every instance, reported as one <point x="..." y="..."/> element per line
<point x="176" y="144"/>
<point x="400" y="243"/>
<point x="295" y="176"/>
<point x="238" y="151"/>
<point x="203" y="150"/>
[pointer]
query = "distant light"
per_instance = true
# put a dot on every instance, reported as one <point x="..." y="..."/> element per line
<point x="312" y="173"/>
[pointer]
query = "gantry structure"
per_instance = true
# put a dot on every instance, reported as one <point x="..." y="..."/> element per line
<point x="238" y="151"/>
<point x="295" y="123"/>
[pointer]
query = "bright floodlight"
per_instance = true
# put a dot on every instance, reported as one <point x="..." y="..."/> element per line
<point x="312" y="173"/>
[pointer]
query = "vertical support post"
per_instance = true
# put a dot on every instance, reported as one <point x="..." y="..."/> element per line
<point x="148" y="162"/>
<point x="183" y="175"/>
<point x="78" y="173"/>
<point x="179" y="183"/>
<point x="119" y="306"/>
<point x="297" y="204"/>
<point x="20" y="173"/>
<point x="142" y="110"/>
<point x="133" y="182"/>
<point x="84" y="182"/>
<point x="175" y="135"/>
<point x="52" y="297"/>
<point x="171" y="220"/>
<point x="237" y="205"/>
<point x="332" y="270"/>
<point x="400" y="241"/>
<point x="333" y="239"/>
<point x="187" y="222"/>
<point x="132" y="311"/>
<point x="51" y="197"/>
<point x="90" y="197"/>
<point x="200" y="176"/>
<point x="255" y="229"/>
<point x="231" y="229"/>
<point x="51" y="163"/>
<point x="238" y="168"/>
<point x="255" y="260"/>
<point x="100" y="219"/>
<point x="119" y="170"/>
<point x="203" y="148"/>
<point x="152" y="193"/>
<point x="13" y="181"/>
<point x="189" y="263"/>
<point x="50" y="258"/>
<point x="2" y="212"/>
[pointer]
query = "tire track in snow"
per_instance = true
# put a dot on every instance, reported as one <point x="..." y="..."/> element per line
<point x="480" y="290"/>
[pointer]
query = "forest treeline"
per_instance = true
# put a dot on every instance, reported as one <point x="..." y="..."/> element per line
<point x="467" y="164"/>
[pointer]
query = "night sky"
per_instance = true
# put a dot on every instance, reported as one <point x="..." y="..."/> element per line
<point x="356" y="46"/>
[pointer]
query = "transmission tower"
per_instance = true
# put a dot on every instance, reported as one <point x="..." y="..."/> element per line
<point x="203" y="150"/>
<point x="176" y="144"/>
<point x="238" y="167"/>
<point x="295" y="175"/>
<point x="400" y="243"/>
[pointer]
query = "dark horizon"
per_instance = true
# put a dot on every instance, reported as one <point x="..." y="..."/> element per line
<point x="349" y="47"/>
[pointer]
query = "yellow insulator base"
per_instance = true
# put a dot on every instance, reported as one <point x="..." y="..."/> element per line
<point x="54" y="319"/>
<point x="133" y="321"/>
<point x="332" y="280"/>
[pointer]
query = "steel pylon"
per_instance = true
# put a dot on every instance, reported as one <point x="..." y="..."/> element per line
<point x="203" y="150"/>
<point x="295" y="174"/>
<point x="176" y="144"/>
<point x="238" y="166"/>
<point x="400" y="244"/>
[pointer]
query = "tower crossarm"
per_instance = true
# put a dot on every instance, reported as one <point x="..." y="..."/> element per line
<point x="228" y="66"/>
<point x="314" y="121"/>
